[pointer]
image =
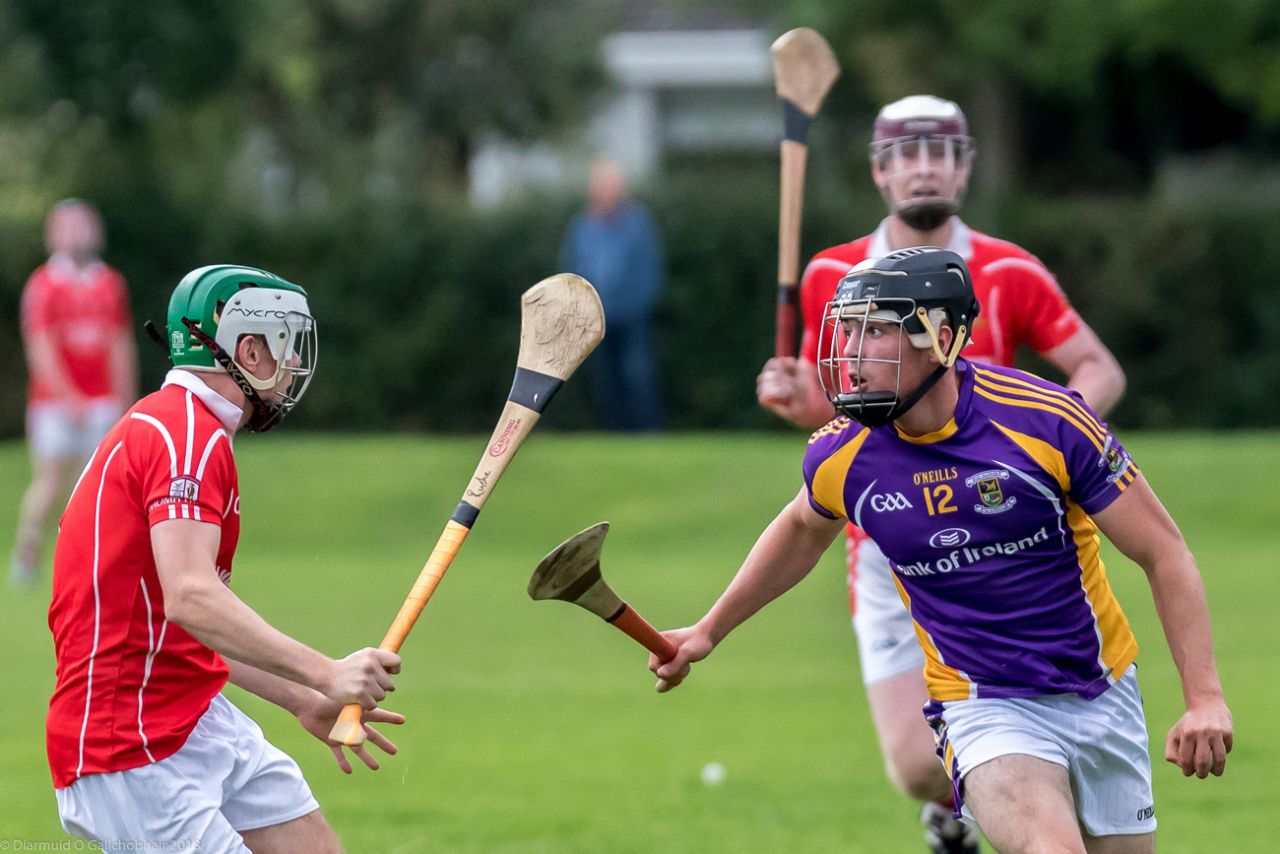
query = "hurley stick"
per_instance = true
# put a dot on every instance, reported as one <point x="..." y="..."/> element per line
<point x="804" y="69"/>
<point x="561" y="322"/>
<point x="571" y="573"/>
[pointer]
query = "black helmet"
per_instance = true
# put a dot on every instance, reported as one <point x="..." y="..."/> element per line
<point x="919" y="289"/>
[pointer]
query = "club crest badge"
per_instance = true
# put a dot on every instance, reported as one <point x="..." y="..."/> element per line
<point x="1115" y="459"/>
<point x="991" y="492"/>
<point x="184" y="489"/>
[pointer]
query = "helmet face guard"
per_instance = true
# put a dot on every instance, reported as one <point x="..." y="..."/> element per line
<point x="214" y="307"/>
<point x="909" y="296"/>
<point x="922" y="149"/>
<point x="938" y="162"/>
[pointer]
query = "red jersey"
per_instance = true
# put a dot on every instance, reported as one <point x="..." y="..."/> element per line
<point x="82" y="311"/>
<point x="1019" y="298"/>
<point x="130" y="684"/>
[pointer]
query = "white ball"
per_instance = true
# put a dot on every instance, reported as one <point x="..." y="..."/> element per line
<point x="712" y="774"/>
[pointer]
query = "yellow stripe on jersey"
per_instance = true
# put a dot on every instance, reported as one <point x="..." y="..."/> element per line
<point x="978" y="388"/>
<point x="943" y="682"/>
<point x="1047" y="456"/>
<point x="944" y="432"/>
<point x="828" y="480"/>
<point x="1004" y="383"/>
<point x="1119" y="646"/>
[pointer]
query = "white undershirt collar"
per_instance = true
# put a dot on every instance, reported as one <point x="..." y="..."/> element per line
<point x="226" y="411"/>
<point x="961" y="241"/>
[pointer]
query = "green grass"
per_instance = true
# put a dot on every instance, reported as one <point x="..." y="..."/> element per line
<point x="534" y="728"/>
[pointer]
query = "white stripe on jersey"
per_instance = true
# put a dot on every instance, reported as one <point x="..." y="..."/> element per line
<point x="84" y="471"/>
<point x="146" y="670"/>
<point x="204" y="459"/>
<point x="856" y="518"/>
<point x="208" y="449"/>
<point x="168" y="440"/>
<point x="191" y="435"/>
<point x="173" y="454"/>
<point x="153" y="649"/>
<point x="97" y="601"/>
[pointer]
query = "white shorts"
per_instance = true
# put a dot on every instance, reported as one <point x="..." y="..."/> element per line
<point x="1101" y="742"/>
<point x="227" y="778"/>
<point x="57" y="431"/>
<point x="887" y="642"/>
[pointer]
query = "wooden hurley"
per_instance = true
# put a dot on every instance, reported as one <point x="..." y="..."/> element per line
<point x="561" y="322"/>
<point x="571" y="573"/>
<point x="804" y="70"/>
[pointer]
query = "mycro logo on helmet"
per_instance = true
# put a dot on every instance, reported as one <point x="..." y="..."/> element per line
<point x="258" y="312"/>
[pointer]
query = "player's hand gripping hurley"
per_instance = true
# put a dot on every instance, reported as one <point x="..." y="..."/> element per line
<point x="804" y="69"/>
<point x="571" y="573"/>
<point x="561" y="322"/>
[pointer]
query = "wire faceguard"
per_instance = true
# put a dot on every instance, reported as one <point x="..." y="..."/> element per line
<point x="925" y="176"/>
<point x="300" y="348"/>
<point x="910" y="295"/>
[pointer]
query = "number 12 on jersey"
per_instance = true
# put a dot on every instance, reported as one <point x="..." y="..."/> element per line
<point x="937" y="499"/>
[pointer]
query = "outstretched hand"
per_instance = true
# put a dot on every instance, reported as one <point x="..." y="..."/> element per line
<point x="1201" y="739"/>
<point x="319" y="718"/>
<point x="692" y="644"/>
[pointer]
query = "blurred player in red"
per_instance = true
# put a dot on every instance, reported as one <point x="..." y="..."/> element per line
<point x="81" y="361"/>
<point x="145" y="751"/>
<point x="921" y="155"/>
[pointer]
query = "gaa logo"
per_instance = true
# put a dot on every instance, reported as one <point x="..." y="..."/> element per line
<point x="949" y="538"/>
<point x="889" y="501"/>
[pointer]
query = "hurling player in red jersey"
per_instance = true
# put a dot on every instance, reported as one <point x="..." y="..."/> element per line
<point x="921" y="155"/>
<point x="144" y="748"/>
<point x="81" y="361"/>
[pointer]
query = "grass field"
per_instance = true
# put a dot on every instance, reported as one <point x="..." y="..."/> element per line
<point x="533" y="727"/>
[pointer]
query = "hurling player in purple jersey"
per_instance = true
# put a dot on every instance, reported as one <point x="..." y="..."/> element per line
<point x="987" y="489"/>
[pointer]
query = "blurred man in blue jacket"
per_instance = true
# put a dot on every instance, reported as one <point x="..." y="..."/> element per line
<point x="614" y="245"/>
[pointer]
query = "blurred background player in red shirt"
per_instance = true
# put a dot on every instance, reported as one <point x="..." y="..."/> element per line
<point x="921" y="158"/>
<point x="81" y="361"/>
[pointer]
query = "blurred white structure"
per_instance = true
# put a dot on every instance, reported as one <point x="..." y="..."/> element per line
<point x="672" y="92"/>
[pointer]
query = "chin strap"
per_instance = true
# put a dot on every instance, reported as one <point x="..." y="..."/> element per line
<point x="264" y="416"/>
<point x="957" y="341"/>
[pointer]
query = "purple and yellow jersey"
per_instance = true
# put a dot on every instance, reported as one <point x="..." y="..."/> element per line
<point x="986" y="524"/>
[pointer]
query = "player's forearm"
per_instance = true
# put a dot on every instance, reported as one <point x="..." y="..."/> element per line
<point x="216" y="617"/>
<point x="782" y="556"/>
<point x="1100" y="381"/>
<point x="285" y="693"/>
<point x="1183" y="610"/>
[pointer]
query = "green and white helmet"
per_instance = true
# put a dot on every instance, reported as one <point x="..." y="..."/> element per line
<point x="214" y="306"/>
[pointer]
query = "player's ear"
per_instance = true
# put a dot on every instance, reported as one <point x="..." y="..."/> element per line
<point x="945" y="336"/>
<point x="251" y="350"/>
